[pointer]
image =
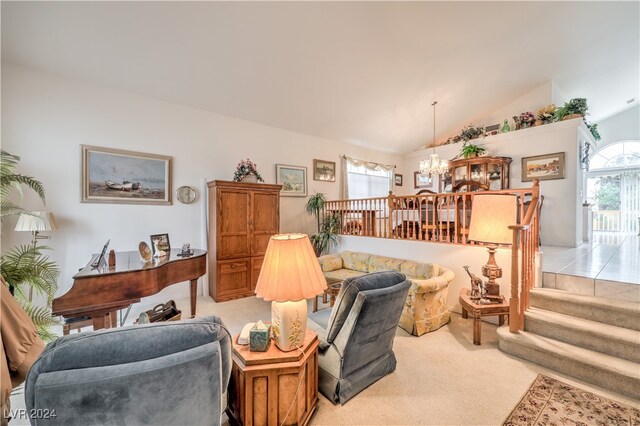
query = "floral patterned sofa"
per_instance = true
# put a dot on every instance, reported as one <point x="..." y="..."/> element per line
<point x="425" y="309"/>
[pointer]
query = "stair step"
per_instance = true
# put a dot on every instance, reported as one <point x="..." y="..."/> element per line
<point x="597" y="336"/>
<point x="620" y="313"/>
<point x="619" y="375"/>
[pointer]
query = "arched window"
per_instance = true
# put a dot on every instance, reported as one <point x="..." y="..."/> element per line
<point x="617" y="155"/>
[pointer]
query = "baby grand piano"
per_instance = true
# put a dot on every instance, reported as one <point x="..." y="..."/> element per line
<point x="99" y="293"/>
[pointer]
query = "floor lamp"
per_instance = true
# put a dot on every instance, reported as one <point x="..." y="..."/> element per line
<point x="36" y="222"/>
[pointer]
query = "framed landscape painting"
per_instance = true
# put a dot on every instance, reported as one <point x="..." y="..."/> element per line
<point x="293" y="180"/>
<point x="324" y="170"/>
<point x="422" y="180"/>
<point x="543" y="167"/>
<point x="118" y="176"/>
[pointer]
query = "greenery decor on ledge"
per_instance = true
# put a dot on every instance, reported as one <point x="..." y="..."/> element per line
<point x="471" y="132"/>
<point x="471" y="151"/>
<point x="524" y="120"/>
<point x="247" y="170"/>
<point x="25" y="266"/>
<point x="593" y="128"/>
<point x="574" y="108"/>
<point x="546" y="115"/>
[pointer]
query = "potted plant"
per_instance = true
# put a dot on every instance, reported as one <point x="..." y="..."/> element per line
<point x="575" y="108"/>
<point x="546" y="115"/>
<point x="25" y="266"/>
<point x="470" y="132"/>
<point x="524" y="120"/>
<point x="247" y="171"/>
<point x="328" y="236"/>
<point x="470" y="150"/>
<point x="315" y="204"/>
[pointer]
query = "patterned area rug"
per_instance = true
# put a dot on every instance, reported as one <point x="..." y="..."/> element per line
<point x="551" y="402"/>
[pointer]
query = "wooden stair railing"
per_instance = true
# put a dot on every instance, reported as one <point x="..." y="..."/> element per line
<point x="525" y="240"/>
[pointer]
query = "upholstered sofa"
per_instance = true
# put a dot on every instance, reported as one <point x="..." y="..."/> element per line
<point x="425" y="308"/>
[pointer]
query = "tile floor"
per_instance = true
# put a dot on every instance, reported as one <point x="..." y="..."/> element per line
<point x="607" y="267"/>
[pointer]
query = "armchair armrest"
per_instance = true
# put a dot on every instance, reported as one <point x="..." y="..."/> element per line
<point x="330" y="262"/>
<point x="432" y="284"/>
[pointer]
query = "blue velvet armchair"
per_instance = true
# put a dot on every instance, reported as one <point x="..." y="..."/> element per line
<point x="163" y="373"/>
<point x="356" y="336"/>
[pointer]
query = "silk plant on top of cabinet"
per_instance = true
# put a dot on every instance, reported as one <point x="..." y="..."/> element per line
<point x="242" y="218"/>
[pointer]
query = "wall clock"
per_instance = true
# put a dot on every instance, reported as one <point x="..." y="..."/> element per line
<point x="186" y="194"/>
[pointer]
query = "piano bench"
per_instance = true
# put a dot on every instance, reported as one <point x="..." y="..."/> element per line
<point x="76" y="324"/>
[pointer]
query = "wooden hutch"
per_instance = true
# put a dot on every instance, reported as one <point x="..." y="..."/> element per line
<point x="242" y="218"/>
<point x="493" y="171"/>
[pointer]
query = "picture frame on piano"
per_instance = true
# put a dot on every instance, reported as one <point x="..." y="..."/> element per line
<point x="163" y="243"/>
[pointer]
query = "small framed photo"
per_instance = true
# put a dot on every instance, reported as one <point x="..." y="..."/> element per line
<point x="398" y="179"/>
<point x="422" y="180"/>
<point x="293" y="180"/>
<point x="324" y="170"/>
<point x="162" y="241"/>
<point x="118" y="176"/>
<point x="543" y="167"/>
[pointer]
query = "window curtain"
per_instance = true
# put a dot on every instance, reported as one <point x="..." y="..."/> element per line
<point x="629" y="201"/>
<point x="354" y="162"/>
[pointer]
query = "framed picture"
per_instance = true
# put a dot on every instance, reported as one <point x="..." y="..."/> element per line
<point x="163" y="242"/>
<point x="324" y="170"/>
<point x="543" y="167"/>
<point x="398" y="179"/>
<point x="293" y="180"/>
<point x="422" y="180"/>
<point x="118" y="176"/>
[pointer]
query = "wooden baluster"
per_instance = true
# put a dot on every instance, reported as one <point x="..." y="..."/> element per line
<point x="514" y="302"/>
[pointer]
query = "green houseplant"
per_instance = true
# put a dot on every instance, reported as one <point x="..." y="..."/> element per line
<point x="470" y="150"/>
<point x="25" y="266"/>
<point x="470" y="132"/>
<point x="574" y="108"/>
<point x="328" y="236"/>
<point x="593" y="128"/>
<point x="315" y="204"/>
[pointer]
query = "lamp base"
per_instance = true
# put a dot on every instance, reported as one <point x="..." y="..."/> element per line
<point x="289" y="324"/>
<point x="492" y="271"/>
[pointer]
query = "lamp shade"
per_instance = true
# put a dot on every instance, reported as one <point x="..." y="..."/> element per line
<point x="491" y="215"/>
<point x="290" y="270"/>
<point x="36" y="221"/>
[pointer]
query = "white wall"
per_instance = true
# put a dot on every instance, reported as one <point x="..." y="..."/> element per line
<point x="561" y="221"/>
<point x="620" y="127"/>
<point x="45" y="119"/>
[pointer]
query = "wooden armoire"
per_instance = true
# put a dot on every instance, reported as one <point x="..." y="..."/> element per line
<point x="242" y="218"/>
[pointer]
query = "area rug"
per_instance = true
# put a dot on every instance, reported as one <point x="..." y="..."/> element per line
<point x="551" y="402"/>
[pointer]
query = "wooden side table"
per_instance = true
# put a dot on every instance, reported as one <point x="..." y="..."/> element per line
<point x="274" y="387"/>
<point x="478" y="311"/>
<point x="333" y="288"/>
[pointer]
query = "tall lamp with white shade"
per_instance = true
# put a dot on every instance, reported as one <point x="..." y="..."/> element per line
<point x="491" y="216"/>
<point x="36" y="222"/>
<point x="290" y="274"/>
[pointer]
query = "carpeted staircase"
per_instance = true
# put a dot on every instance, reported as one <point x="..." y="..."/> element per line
<point x="594" y="339"/>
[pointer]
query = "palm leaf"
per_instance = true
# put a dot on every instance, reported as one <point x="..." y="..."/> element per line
<point x="42" y="319"/>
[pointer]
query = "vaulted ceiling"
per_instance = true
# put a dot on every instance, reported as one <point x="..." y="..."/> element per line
<point x="359" y="72"/>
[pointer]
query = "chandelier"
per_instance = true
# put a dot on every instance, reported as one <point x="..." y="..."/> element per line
<point x="434" y="166"/>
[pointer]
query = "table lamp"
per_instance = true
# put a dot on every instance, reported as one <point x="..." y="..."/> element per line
<point x="36" y="222"/>
<point x="491" y="216"/>
<point x="290" y="274"/>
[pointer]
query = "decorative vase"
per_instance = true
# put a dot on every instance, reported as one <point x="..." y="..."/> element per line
<point x="250" y="178"/>
<point x="505" y="127"/>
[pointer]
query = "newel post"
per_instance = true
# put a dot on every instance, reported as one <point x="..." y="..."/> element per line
<point x="514" y="301"/>
<point x="390" y="206"/>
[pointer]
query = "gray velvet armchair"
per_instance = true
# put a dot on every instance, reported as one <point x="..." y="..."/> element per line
<point x="356" y="336"/>
<point x="161" y="374"/>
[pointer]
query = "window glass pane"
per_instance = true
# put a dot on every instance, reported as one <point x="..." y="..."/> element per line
<point x="368" y="186"/>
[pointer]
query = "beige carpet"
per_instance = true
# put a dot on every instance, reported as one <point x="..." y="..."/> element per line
<point x="552" y="402"/>
<point x="442" y="378"/>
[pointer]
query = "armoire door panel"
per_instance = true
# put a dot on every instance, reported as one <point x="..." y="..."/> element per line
<point x="265" y="220"/>
<point x="234" y="224"/>
<point x="233" y="276"/>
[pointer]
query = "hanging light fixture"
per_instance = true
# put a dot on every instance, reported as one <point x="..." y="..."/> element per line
<point x="434" y="166"/>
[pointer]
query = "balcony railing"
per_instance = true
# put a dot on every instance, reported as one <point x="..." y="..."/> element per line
<point x="445" y="218"/>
